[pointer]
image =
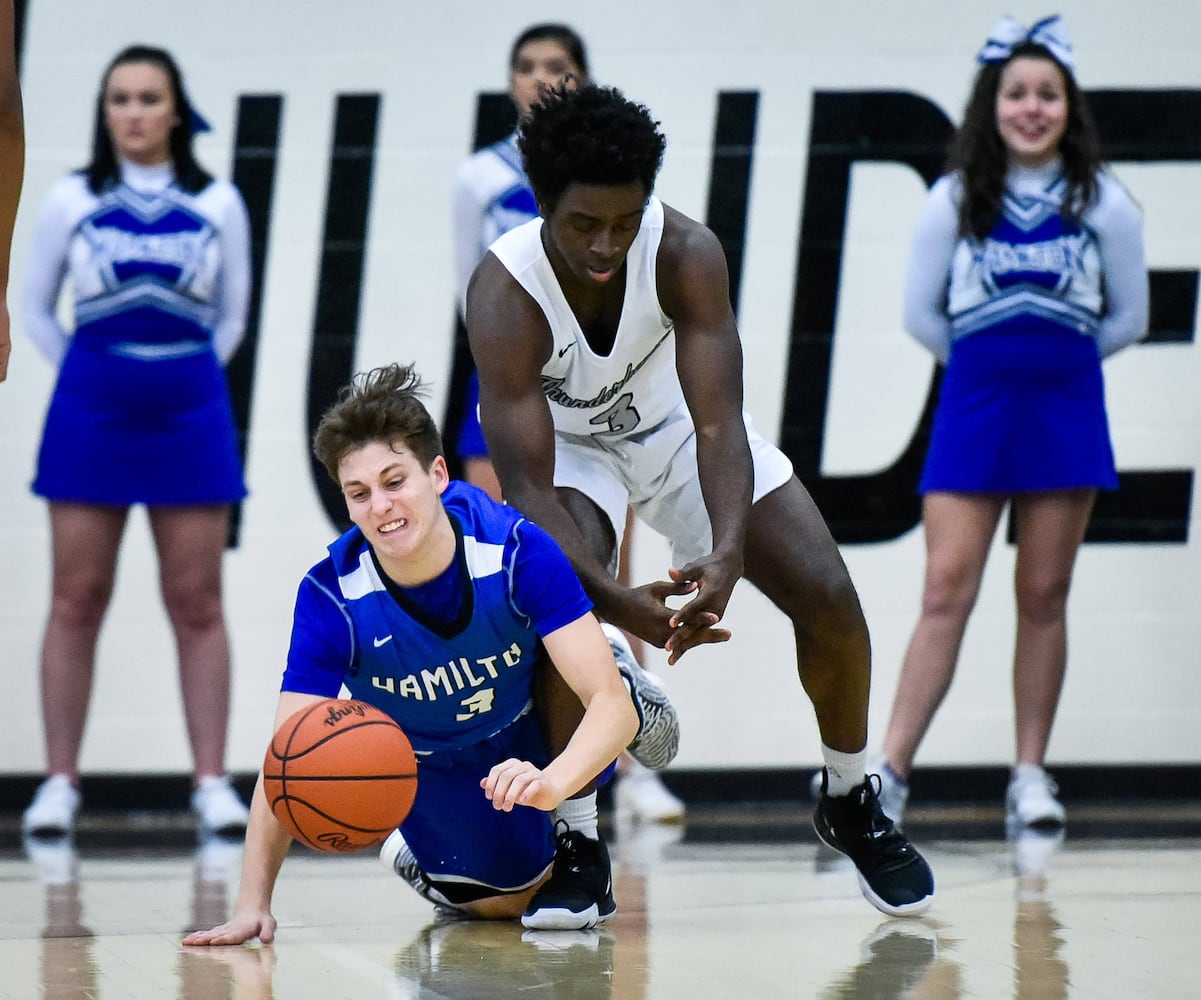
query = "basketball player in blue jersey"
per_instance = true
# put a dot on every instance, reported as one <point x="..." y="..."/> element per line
<point x="611" y="374"/>
<point x="448" y="610"/>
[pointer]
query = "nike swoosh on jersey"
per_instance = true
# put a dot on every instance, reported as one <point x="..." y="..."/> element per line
<point x="566" y="349"/>
<point x="379" y="642"/>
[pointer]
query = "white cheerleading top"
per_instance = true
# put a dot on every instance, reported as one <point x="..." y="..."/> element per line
<point x="186" y="256"/>
<point x="959" y="285"/>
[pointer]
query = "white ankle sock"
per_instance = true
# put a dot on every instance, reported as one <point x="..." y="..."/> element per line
<point x="843" y="770"/>
<point x="580" y="814"/>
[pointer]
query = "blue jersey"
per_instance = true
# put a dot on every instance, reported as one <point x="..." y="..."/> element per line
<point x="156" y="272"/>
<point x="452" y="661"/>
<point x="512" y="205"/>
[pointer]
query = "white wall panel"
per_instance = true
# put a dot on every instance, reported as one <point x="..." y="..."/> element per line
<point x="1134" y="683"/>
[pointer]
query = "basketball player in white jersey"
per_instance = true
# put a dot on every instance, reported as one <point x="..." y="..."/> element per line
<point x="611" y="374"/>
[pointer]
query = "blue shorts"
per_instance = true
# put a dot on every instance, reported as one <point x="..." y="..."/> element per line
<point x="468" y="849"/>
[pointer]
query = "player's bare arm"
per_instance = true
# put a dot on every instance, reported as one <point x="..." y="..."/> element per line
<point x="510" y="342"/>
<point x="694" y="290"/>
<point x="267" y="845"/>
<point x="581" y="653"/>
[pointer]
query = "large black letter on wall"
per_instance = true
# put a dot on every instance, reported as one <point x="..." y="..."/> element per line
<point x="495" y="118"/>
<point x="730" y="178"/>
<point x="869" y="126"/>
<point x="340" y="284"/>
<point x="1151" y="126"/>
<point x="256" y="150"/>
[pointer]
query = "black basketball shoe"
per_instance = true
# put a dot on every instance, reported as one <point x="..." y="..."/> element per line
<point x="579" y="892"/>
<point x="895" y="879"/>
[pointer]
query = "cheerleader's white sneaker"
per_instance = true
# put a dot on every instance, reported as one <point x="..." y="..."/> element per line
<point x="1031" y="799"/>
<point x="52" y="811"/>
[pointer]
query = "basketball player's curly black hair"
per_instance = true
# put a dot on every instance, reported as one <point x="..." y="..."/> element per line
<point x="592" y="135"/>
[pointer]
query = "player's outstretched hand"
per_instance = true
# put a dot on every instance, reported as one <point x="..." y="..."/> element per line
<point x="711" y="581"/>
<point x="237" y="929"/>
<point x="645" y="612"/>
<point x="516" y="782"/>
<point x="699" y="631"/>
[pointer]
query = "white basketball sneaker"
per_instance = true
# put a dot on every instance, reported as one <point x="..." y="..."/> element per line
<point x="658" y="737"/>
<point x="894" y="792"/>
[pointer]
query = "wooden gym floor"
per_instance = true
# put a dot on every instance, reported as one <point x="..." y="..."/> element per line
<point x="742" y="902"/>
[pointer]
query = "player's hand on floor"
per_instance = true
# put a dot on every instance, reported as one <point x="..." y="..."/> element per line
<point x="516" y="782"/>
<point x="237" y="929"/>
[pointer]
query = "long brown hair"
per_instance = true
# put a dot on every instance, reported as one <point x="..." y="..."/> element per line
<point x="978" y="154"/>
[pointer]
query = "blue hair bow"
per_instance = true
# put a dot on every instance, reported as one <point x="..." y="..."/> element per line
<point x="1010" y="33"/>
<point x="199" y="124"/>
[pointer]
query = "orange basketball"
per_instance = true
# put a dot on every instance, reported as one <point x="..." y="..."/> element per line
<point x="340" y="775"/>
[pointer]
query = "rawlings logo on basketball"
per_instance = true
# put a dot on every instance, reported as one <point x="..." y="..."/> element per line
<point x="340" y="710"/>
<point x="336" y="841"/>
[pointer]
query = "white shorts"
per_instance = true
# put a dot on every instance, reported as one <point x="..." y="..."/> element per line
<point x="655" y="473"/>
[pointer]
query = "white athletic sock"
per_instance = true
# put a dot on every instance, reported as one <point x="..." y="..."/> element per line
<point x="843" y="770"/>
<point x="580" y="814"/>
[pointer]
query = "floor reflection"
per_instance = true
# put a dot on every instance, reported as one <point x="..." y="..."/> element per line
<point x="481" y="960"/>
<point x="698" y="917"/>
<point x="68" y="962"/>
<point x="1040" y="972"/>
<point x="900" y="959"/>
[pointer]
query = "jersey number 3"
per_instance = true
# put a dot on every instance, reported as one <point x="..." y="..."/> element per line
<point x="477" y="704"/>
<point x="620" y="418"/>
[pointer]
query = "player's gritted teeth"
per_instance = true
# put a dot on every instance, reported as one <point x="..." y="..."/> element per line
<point x="390" y="526"/>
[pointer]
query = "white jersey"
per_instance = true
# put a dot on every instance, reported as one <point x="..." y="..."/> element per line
<point x="635" y="387"/>
<point x="1090" y="277"/>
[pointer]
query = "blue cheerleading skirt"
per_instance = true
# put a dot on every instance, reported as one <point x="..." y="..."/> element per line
<point x="1021" y="410"/>
<point x="124" y="429"/>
